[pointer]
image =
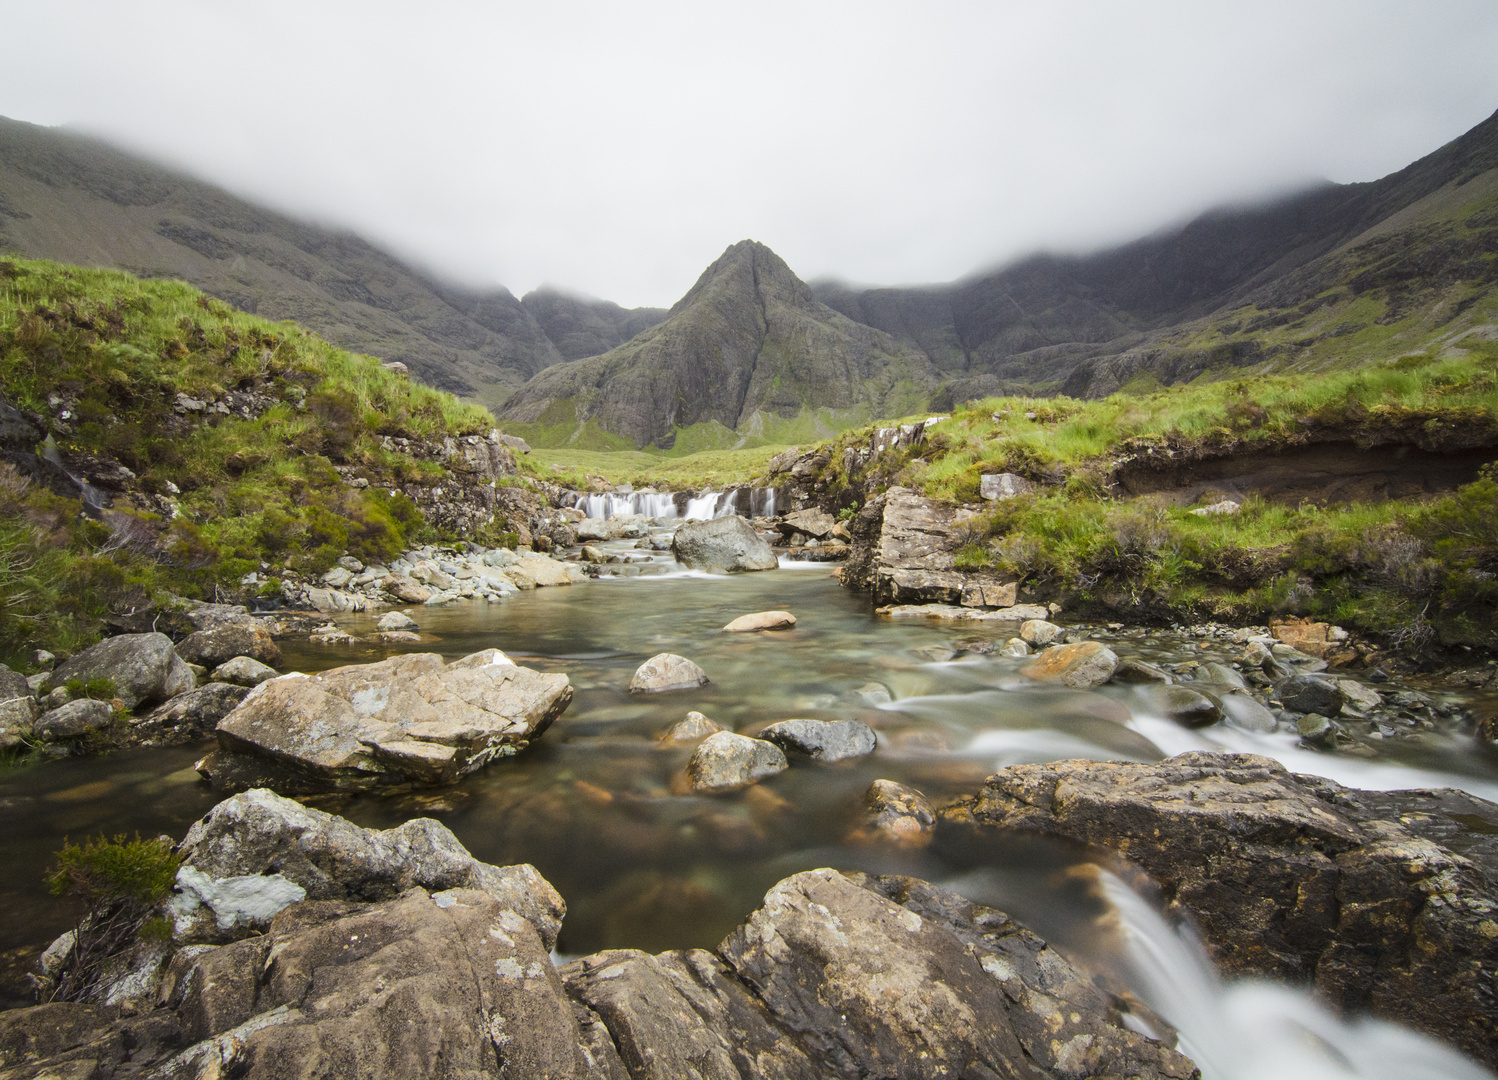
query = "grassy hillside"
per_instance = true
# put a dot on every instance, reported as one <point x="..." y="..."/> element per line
<point x="1420" y="571"/>
<point x="68" y="197"/>
<point x="703" y="470"/>
<point x="242" y="478"/>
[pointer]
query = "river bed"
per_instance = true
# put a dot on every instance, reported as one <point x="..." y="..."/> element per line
<point x="598" y="805"/>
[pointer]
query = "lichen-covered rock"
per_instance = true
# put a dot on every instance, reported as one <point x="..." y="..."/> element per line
<point x="726" y="762"/>
<point x="144" y="668"/>
<point x="1385" y="900"/>
<point x="410" y="720"/>
<point x="1083" y="665"/>
<point x="74" y="720"/>
<point x="898" y="813"/>
<point x="17" y="718"/>
<point x="259" y="833"/>
<point x="874" y="986"/>
<point x="666" y="671"/>
<point x="726" y="544"/>
<point x="824" y="740"/>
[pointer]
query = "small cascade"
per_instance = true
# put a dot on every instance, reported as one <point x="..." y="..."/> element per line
<point x="1252" y="1029"/>
<point x="94" y="500"/>
<point x="744" y="501"/>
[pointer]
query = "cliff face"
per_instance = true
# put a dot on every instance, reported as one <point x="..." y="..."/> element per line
<point x="749" y="338"/>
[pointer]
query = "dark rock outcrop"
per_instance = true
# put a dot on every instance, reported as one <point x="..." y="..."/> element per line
<point x="1387" y="901"/>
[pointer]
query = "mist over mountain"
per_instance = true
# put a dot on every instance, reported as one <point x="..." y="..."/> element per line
<point x="75" y="199"/>
<point x="582" y="326"/>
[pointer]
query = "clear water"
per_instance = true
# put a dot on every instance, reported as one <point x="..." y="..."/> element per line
<point x="598" y="804"/>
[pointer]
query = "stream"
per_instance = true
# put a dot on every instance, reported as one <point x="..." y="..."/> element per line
<point x="597" y="805"/>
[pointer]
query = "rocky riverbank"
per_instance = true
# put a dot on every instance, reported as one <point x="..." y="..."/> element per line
<point x="301" y="945"/>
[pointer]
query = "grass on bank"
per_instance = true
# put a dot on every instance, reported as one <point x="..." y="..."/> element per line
<point x="704" y="470"/>
<point x="102" y="356"/>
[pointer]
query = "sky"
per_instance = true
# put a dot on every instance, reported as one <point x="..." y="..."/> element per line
<point x="615" y="149"/>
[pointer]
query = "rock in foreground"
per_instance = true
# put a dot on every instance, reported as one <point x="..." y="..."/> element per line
<point x="1386" y="900"/>
<point x="408" y="721"/>
<point x="725" y="544"/>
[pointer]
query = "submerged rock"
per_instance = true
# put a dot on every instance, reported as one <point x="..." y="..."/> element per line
<point x="666" y="671"/>
<point x="824" y="740"/>
<point x="1385" y="900"/>
<point x="724" y="544"/>
<point x="410" y="720"/>
<point x="1083" y="665"/>
<point x="898" y="813"/>
<point x="144" y="668"/>
<point x="694" y="726"/>
<point x="1187" y="707"/>
<point x="762" y="620"/>
<point x="726" y="762"/>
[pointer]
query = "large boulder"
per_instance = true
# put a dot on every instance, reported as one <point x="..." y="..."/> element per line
<point x="224" y="642"/>
<point x="144" y="668"/>
<point x="407" y="721"/>
<point x="258" y="834"/>
<point x="75" y="720"/>
<point x="1310" y="694"/>
<point x="892" y="977"/>
<point x="725" y="544"/>
<point x="1385" y="900"/>
<point x="451" y="984"/>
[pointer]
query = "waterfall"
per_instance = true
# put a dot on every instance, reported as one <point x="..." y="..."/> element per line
<point x="746" y="501"/>
<point x="1251" y="1030"/>
<point x="93" y="499"/>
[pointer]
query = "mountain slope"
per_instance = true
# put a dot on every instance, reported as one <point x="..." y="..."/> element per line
<point x="747" y="345"/>
<point x="78" y="200"/>
<point x="1033" y="322"/>
<point x="582" y="326"/>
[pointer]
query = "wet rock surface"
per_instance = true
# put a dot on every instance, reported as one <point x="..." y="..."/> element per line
<point x="396" y="954"/>
<point x="822" y="740"/>
<point x="1082" y="665"/>
<point x="724" y="544"/>
<point x="408" y="721"/>
<point x="666" y="671"/>
<point x="761" y="620"/>
<point x="1387" y="901"/>
<point x="725" y="761"/>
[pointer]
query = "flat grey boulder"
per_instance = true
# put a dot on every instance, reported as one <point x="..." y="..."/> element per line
<point x="144" y="668"/>
<point x="666" y="671"/>
<point x="74" y="720"/>
<point x="243" y="671"/>
<point x="824" y="740"/>
<point x="761" y="620"/>
<point x="812" y="522"/>
<point x="725" y="544"/>
<point x="407" y="721"/>
<point x="996" y="486"/>
<point x="221" y="643"/>
<point x="725" y="761"/>
<point x="258" y="833"/>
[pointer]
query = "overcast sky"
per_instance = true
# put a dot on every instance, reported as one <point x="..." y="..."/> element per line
<point x="617" y="148"/>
